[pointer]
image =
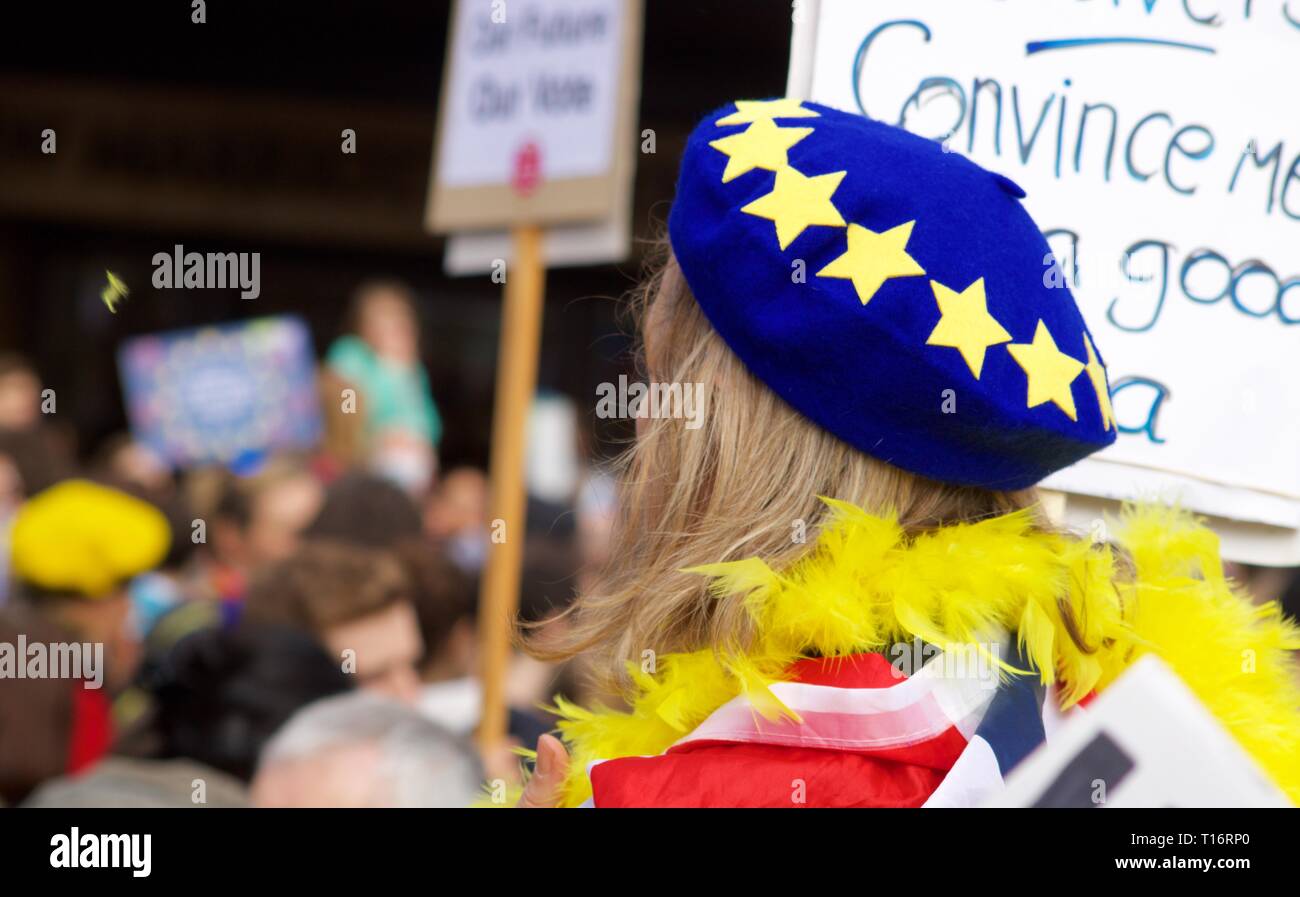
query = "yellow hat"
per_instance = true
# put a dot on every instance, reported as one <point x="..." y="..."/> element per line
<point x="81" y="537"/>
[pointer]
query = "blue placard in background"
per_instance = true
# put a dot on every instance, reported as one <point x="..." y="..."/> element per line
<point x="223" y="393"/>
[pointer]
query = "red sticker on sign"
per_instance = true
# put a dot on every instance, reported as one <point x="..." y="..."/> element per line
<point x="528" y="169"/>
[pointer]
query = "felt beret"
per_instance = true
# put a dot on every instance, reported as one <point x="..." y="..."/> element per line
<point x="83" y="538"/>
<point x="895" y="293"/>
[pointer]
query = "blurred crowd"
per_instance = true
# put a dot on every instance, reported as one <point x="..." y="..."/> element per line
<point x="296" y="629"/>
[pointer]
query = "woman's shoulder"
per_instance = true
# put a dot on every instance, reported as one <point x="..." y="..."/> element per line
<point x="350" y="355"/>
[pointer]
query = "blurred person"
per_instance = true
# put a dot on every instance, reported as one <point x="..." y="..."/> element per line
<point x="11" y="497"/>
<point x="43" y="450"/>
<point x="221" y="694"/>
<point x="364" y="510"/>
<point x="725" y="629"/>
<point x="364" y="750"/>
<point x="446" y="601"/>
<point x="446" y="604"/>
<point x="254" y="521"/>
<point x="27" y="466"/>
<point x="217" y="699"/>
<point x="134" y="709"/>
<point x="381" y="358"/>
<point x="358" y="604"/>
<point x="165" y="604"/>
<point x="178" y="597"/>
<point x="367" y="510"/>
<point x="548" y="586"/>
<point x="74" y="547"/>
<point x="261" y="516"/>
<point x="126" y="463"/>
<point x="157" y="592"/>
<point x="456" y="515"/>
<point x="20" y="393"/>
<point x="42" y="718"/>
<point x="37" y="464"/>
<point x="132" y="783"/>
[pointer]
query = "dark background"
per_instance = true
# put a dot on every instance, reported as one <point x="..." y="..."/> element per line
<point x="225" y="137"/>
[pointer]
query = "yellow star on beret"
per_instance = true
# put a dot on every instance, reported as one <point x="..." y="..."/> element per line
<point x="966" y="324"/>
<point x="872" y="259"/>
<point x="761" y="145"/>
<point x="749" y="111"/>
<point x="1097" y="374"/>
<point x="1050" y="371"/>
<point x="797" y="202"/>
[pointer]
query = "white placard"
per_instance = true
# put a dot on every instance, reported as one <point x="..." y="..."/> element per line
<point x="1144" y="742"/>
<point x="531" y="72"/>
<point x="577" y="245"/>
<point x="1199" y="189"/>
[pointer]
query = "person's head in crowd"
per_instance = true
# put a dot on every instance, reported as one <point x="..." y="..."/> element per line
<point x="131" y="465"/>
<point x="384" y="317"/>
<point x="126" y="783"/>
<point x="363" y="750"/>
<point x="445" y="604"/>
<point x="406" y="459"/>
<point x="356" y="601"/>
<point x="547" y="588"/>
<point x="73" y="549"/>
<point x="40" y="717"/>
<point x="221" y="694"/>
<point x="259" y="518"/>
<point x="31" y="458"/>
<point x="446" y="599"/>
<point x="677" y="503"/>
<point x="548" y="580"/>
<point x="456" y="514"/>
<point x="367" y="510"/>
<point x="20" y="393"/>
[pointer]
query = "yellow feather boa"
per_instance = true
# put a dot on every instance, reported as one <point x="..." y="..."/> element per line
<point x="865" y="586"/>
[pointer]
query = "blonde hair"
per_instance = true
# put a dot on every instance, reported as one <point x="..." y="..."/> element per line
<point x="743" y="484"/>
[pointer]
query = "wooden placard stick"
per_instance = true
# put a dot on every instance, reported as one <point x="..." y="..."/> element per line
<point x="521" y="336"/>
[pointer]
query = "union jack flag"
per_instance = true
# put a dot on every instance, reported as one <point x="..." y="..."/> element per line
<point x="866" y="736"/>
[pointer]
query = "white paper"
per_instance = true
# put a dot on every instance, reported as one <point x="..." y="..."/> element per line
<point x="531" y="72"/>
<point x="1180" y="755"/>
<point x="1226" y="432"/>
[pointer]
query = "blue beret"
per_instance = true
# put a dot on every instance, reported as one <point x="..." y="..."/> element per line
<point x="896" y="294"/>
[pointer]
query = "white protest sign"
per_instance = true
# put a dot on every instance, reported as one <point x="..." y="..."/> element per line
<point x="534" y="113"/>
<point x="1159" y="144"/>
<point x="1146" y="741"/>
